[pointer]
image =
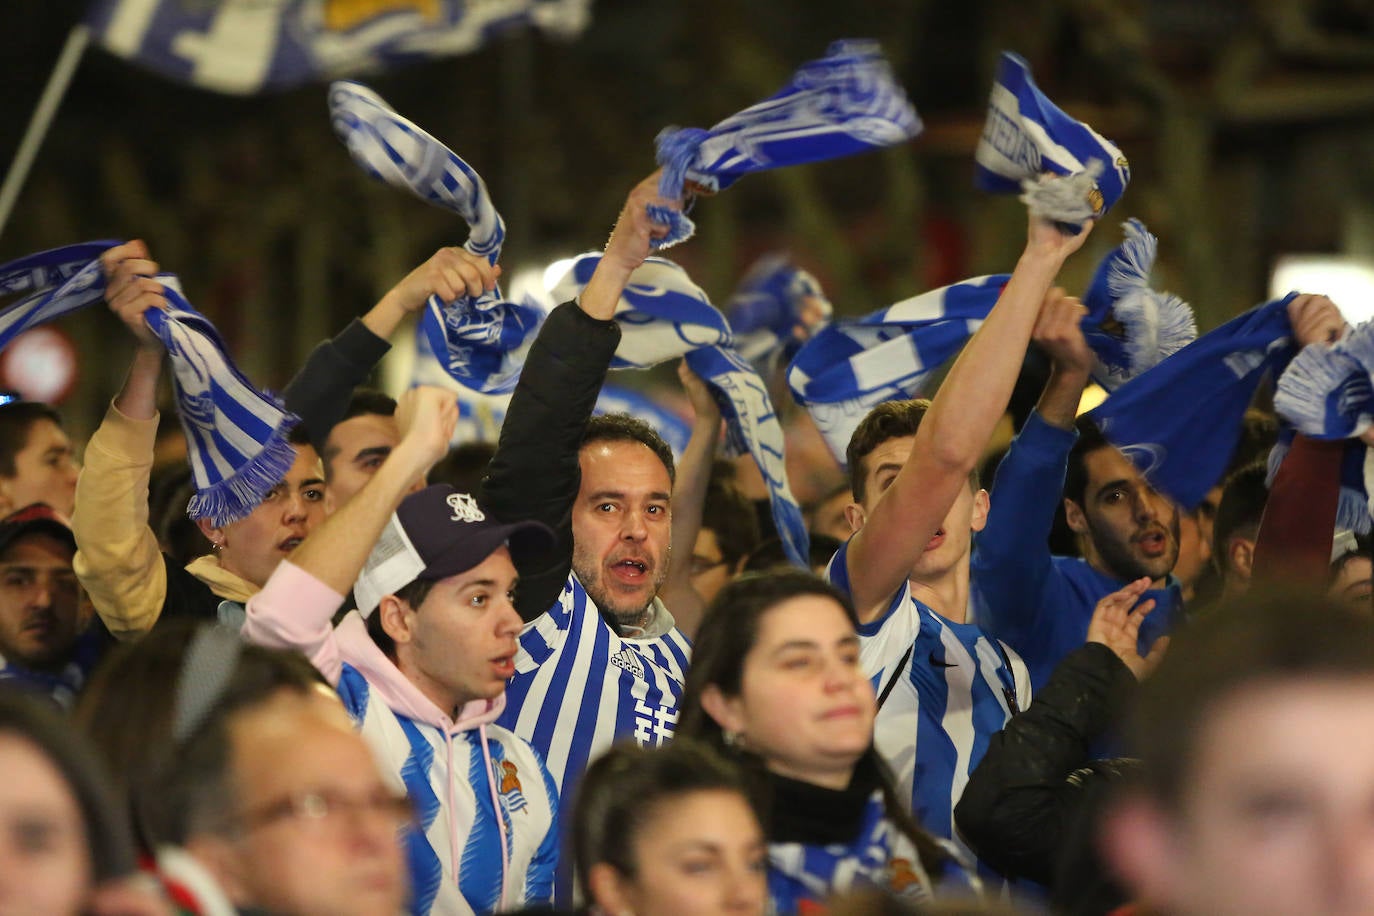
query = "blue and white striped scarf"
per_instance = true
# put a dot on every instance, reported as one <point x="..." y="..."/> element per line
<point x="663" y="315"/>
<point x="237" y="435"/>
<point x="1027" y="135"/>
<point x="850" y="367"/>
<point x="1130" y="326"/>
<point x="482" y="339"/>
<point x="1180" y="421"/>
<point x="1326" y="393"/>
<point x="766" y="309"/>
<point x="843" y="103"/>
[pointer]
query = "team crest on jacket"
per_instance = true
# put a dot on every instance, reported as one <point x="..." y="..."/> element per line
<point x="508" y="778"/>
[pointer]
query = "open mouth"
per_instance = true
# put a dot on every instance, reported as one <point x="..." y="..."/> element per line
<point x="936" y="540"/>
<point x="504" y="666"/>
<point x="290" y="544"/>
<point x="630" y="569"/>
<point x="1153" y="543"/>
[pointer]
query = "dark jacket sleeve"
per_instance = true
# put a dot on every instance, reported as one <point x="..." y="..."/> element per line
<point x="1020" y="801"/>
<point x="187" y="596"/>
<point x="535" y="473"/>
<point x="320" y="392"/>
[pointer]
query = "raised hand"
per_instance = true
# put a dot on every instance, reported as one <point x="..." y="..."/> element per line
<point x="1059" y="332"/>
<point x="1315" y="319"/>
<point x="1116" y="624"/>
<point x="1045" y="238"/>
<point x="426" y="417"/>
<point x="451" y="273"/>
<point x="130" y="289"/>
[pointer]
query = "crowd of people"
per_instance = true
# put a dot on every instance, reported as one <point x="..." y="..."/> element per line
<point x="573" y="672"/>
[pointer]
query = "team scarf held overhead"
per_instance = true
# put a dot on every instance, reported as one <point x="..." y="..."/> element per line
<point x="663" y="315"/>
<point x="844" y="103"/>
<point x="850" y="367"/>
<point x="481" y="340"/>
<point x="237" y="435"/>
<point x="1027" y="136"/>
<point x="1327" y="393"/>
<point x="1180" y="421"/>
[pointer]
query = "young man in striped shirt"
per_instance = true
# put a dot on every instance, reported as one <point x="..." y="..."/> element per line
<point x="600" y="656"/>
<point x="944" y="686"/>
<point x="422" y="665"/>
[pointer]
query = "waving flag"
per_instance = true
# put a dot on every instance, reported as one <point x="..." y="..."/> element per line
<point x="248" y="46"/>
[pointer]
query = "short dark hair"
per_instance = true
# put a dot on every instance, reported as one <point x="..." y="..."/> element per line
<point x="621" y="427"/>
<point x="1240" y="510"/>
<point x="177" y="788"/>
<point x="1266" y="637"/>
<point x="16" y="418"/>
<point x="730" y="515"/>
<point x="728" y="631"/>
<point x="365" y="402"/>
<point x="108" y="838"/>
<point x="464" y="466"/>
<point x="626" y="788"/>
<point x="1090" y="439"/>
<point x="772" y="555"/>
<point x="414" y="595"/>
<point x="889" y="420"/>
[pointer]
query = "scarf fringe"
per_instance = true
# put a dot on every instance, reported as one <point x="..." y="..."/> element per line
<point x="1157" y="326"/>
<point x="677" y="149"/>
<point x="1134" y="259"/>
<point x="1306" y="386"/>
<point x="1064" y="199"/>
<point x="235" y="497"/>
<point x="1352" y="511"/>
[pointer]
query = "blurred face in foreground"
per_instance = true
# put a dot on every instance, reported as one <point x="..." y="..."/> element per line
<point x="45" y="867"/>
<point x="701" y="853"/>
<point x="1277" y="816"/>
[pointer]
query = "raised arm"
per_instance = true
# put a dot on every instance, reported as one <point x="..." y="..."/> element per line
<point x="689" y="497"/>
<point x="320" y="392"/>
<point x="954" y="432"/>
<point x="535" y="472"/>
<point x="1011" y="560"/>
<point x="118" y="560"/>
<point x="295" y="607"/>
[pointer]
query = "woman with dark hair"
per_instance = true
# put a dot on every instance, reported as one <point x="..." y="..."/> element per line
<point x="776" y="684"/>
<point x="64" y="847"/>
<point x="668" y="831"/>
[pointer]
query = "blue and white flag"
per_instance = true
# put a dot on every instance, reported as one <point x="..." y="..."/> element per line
<point x="247" y="46"/>
<point x="1130" y="326"/>
<point x="846" y="102"/>
<point x="237" y="436"/>
<point x="776" y="308"/>
<point x="1179" y="422"/>
<point x="852" y="366"/>
<point x="663" y="315"/>
<point x="481" y="340"/>
<point x="1026" y="135"/>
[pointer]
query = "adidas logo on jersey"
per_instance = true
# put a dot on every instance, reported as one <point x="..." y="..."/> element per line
<point x="628" y="659"/>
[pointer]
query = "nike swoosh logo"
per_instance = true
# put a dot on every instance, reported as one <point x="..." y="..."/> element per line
<point x="941" y="663"/>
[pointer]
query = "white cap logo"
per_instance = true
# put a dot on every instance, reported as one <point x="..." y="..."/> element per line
<point x="465" y="508"/>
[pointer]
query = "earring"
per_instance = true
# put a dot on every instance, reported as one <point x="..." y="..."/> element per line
<point x="731" y="739"/>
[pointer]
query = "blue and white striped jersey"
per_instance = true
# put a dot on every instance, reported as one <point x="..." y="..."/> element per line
<point x="447" y="779"/>
<point x="801" y="875"/>
<point x="949" y="687"/>
<point x="578" y="686"/>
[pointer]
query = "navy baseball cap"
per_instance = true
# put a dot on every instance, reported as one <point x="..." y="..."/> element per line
<point x="436" y="533"/>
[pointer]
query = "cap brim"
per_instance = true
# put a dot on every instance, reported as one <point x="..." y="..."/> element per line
<point x="10" y="533"/>
<point x="530" y="544"/>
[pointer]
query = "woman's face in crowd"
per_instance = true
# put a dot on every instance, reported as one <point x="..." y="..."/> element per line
<point x="45" y="866"/>
<point x="804" y="705"/>
<point x="697" y="854"/>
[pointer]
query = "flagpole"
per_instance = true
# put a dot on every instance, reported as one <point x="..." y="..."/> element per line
<point x="48" y="103"/>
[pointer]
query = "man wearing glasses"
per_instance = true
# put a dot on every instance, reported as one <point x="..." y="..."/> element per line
<point x="422" y="665"/>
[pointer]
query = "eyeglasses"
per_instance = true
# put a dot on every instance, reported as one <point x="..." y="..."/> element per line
<point x="320" y="808"/>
